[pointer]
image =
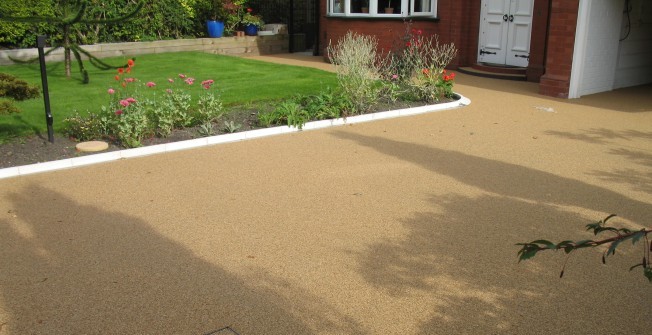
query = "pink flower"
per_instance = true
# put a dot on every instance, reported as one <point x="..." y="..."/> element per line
<point x="182" y="75"/>
<point x="395" y="76"/>
<point x="118" y="112"/>
<point x="169" y="91"/>
<point x="111" y="91"/>
<point x="124" y="103"/>
<point x="150" y="84"/>
<point x="207" y="82"/>
<point x="419" y="32"/>
<point x="130" y="80"/>
<point x="170" y="80"/>
<point x="206" y="86"/>
<point x="131" y="100"/>
<point x="189" y="81"/>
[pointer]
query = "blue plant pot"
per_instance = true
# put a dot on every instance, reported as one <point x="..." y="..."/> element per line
<point x="251" y="30"/>
<point x="215" y="28"/>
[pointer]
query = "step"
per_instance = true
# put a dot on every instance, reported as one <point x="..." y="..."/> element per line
<point x="487" y="74"/>
<point x="503" y="69"/>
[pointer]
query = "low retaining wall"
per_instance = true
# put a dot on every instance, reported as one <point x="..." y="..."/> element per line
<point x="235" y="46"/>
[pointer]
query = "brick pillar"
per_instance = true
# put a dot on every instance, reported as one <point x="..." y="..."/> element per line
<point x="535" y="68"/>
<point x="561" y="41"/>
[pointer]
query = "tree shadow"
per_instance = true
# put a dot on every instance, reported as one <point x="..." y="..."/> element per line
<point x="601" y="135"/>
<point x="506" y="179"/>
<point x="70" y="268"/>
<point x="461" y="259"/>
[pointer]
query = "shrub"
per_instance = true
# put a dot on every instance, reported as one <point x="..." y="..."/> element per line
<point x="17" y="89"/>
<point x="418" y="67"/>
<point x="7" y="107"/>
<point x="359" y="69"/>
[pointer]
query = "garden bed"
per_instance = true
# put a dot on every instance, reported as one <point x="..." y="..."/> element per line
<point x="37" y="149"/>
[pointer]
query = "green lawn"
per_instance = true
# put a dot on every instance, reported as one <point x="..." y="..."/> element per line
<point x="239" y="81"/>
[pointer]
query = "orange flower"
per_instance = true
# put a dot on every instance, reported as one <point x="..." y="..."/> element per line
<point x="117" y="77"/>
<point x="425" y="71"/>
<point x="130" y="63"/>
<point x="121" y="70"/>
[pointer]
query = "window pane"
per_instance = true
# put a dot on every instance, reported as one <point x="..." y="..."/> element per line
<point x="422" y="6"/>
<point x="338" y="6"/>
<point x="359" y="6"/>
<point x="390" y="6"/>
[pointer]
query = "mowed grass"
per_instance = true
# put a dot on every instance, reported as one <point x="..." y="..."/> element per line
<point x="239" y="81"/>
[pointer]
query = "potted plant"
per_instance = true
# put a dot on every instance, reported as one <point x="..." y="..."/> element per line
<point x="251" y="22"/>
<point x="389" y="9"/>
<point x="234" y="10"/>
<point x="215" y="20"/>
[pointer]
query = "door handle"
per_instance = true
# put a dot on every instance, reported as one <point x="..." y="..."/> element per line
<point x="505" y="17"/>
<point x="511" y="18"/>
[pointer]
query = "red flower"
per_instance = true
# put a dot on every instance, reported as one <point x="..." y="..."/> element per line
<point x="425" y="71"/>
<point x="121" y="70"/>
<point x="131" y="63"/>
<point x="249" y="10"/>
<point x="118" y="112"/>
<point x="419" y="32"/>
<point x="408" y="44"/>
<point x="117" y="78"/>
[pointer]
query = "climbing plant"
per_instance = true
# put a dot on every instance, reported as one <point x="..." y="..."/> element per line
<point x="530" y="249"/>
<point x="73" y="13"/>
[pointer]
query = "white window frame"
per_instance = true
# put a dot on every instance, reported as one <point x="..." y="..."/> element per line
<point x="407" y="9"/>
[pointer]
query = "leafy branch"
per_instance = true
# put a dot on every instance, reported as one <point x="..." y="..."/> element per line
<point x="73" y="12"/>
<point x="530" y="249"/>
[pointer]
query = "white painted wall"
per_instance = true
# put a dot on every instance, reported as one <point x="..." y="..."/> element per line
<point x="634" y="66"/>
<point x="596" y="47"/>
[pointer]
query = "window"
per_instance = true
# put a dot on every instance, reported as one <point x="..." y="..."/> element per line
<point x="382" y="8"/>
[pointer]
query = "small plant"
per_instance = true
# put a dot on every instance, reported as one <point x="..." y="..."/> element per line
<point x="530" y="249"/>
<point x="206" y="129"/>
<point x="231" y="127"/>
<point x="81" y="128"/>
<point x="268" y="119"/>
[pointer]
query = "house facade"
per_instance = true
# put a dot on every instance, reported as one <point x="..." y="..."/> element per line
<point x="570" y="47"/>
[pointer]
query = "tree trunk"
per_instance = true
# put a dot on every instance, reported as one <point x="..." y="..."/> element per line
<point x="66" y="49"/>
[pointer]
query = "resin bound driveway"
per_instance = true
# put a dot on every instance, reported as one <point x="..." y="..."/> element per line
<point x="401" y="226"/>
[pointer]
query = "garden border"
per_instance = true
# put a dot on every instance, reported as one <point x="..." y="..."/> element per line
<point x="17" y="171"/>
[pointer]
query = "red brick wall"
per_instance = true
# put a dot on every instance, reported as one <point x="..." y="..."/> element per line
<point x="561" y="41"/>
<point x="536" y="63"/>
<point x="458" y="23"/>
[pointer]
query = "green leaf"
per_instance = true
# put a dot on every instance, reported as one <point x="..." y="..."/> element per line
<point x="648" y="273"/>
<point x="608" y="217"/>
<point x="638" y="236"/>
<point x="613" y="246"/>
<point x="547" y="243"/>
<point x="583" y="243"/>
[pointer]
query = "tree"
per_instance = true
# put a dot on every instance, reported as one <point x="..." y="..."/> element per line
<point x="73" y="12"/>
<point x="530" y="249"/>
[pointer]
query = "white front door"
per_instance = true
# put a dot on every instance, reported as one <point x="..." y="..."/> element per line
<point x="505" y="29"/>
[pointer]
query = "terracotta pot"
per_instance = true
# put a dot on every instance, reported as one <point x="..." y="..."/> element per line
<point x="365" y="9"/>
<point x="389" y="10"/>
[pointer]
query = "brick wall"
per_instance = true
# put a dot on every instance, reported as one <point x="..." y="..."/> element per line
<point x="561" y="42"/>
<point x="458" y="23"/>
